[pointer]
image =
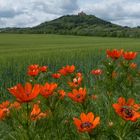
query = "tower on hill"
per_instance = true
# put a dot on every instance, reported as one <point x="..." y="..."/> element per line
<point x="82" y="14"/>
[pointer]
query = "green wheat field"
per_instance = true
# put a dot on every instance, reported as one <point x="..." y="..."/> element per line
<point x="19" y="51"/>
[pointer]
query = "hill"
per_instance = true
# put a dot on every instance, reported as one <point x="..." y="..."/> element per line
<point x="88" y="25"/>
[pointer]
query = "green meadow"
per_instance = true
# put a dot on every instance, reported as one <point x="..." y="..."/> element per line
<point x="31" y="47"/>
<point x="17" y="51"/>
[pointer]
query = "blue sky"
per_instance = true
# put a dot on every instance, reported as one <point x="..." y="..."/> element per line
<point x="28" y="13"/>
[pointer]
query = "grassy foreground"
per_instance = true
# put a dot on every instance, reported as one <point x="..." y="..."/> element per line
<point x="106" y="101"/>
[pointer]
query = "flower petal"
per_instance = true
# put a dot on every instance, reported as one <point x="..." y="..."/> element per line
<point x="83" y="117"/>
<point x="90" y="117"/>
<point x="28" y="88"/>
<point x="35" y="91"/>
<point x="77" y="122"/>
<point x="121" y="101"/>
<point x="130" y="101"/>
<point x="96" y="122"/>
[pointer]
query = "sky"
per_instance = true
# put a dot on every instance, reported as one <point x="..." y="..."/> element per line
<point x="28" y="13"/>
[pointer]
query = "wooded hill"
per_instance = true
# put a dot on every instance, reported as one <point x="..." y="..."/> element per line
<point x="87" y="25"/>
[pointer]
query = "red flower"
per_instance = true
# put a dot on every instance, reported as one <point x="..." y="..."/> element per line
<point x="4" y="109"/>
<point x="62" y="93"/>
<point x="79" y="74"/>
<point x="129" y="55"/>
<point x="26" y="93"/>
<point x="70" y="69"/>
<point x="76" y="81"/>
<point x="63" y="71"/>
<point x="127" y="110"/>
<point x="48" y="89"/>
<point x="78" y="95"/>
<point x="16" y="105"/>
<point x="133" y="65"/>
<point x="97" y="72"/>
<point x="86" y="123"/>
<point x="67" y="70"/>
<point x="4" y="104"/>
<point x="3" y="113"/>
<point x="43" y="68"/>
<point x="56" y="75"/>
<point x="114" y="54"/>
<point x="36" y="113"/>
<point x="33" y="70"/>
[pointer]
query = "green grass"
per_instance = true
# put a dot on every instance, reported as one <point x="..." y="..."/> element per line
<point x="86" y="53"/>
<point x="17" y="51"/>
<point x="14" y="46"/>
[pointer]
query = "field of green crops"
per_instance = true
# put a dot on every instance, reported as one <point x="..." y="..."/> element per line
<point x="18" y="51"/>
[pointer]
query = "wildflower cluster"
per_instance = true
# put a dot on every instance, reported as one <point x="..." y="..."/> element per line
<point x="40" y="99"/>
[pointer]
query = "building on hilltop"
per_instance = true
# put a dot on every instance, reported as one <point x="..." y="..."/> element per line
<point x="82" y="14"/>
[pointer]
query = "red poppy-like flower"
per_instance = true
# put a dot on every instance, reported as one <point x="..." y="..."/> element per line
<point x="15" y="105"/>
<point x="56" y="75"/>
<point x="43" y="68"/>
<point x="48" y="89"/>
<point x="62" y="93"/>
<point x="33" y="70"/>
<point x="4" y="110"/>
<point x="76" y="81"/>
<point x="70" y="69"/>
<point x="129" y="55"/>
<point x="3" y="113"/>
<point x="127" y="110"/>
<point x="114" y="54"/>
<point x="97" y="72"/>
<point x="4" y="104"/>
<point x="133" y="65"/>
<point x="36" y="113"/>
<point x="87" y="122"/>
<point x="26" y="93"/>
<point x="67" y="70"/>
<point x="78" y="95"/>
<point x="63" y="71"/>
<point x="79" y="74"/>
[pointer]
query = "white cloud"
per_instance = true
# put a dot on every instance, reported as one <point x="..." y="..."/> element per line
<point x="24" y="13"/>
<point x="123" y="12"/>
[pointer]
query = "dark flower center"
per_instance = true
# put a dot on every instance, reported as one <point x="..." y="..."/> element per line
<point x="127" y="112"/>
<point x="46" y="90"/>
<point x="78" y="96"/>
<point x="28" y="93"/>
<point x="86" y="125"/>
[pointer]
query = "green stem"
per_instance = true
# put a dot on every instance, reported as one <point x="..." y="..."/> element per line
<point x="90" y="136"/>
<point x="27" y="123"/>
<point x="120" y="138"/>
